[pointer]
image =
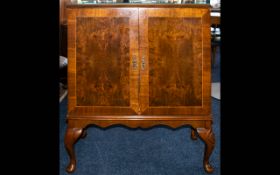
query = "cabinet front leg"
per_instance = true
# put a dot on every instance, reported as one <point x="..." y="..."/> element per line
<point x="193" y="136"/>
<point x="209" y="139"/>
<point x="71" y="137"/>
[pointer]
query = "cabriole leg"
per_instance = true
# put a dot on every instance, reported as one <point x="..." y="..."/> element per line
<point x="208" y="137"/>
<point x="71" y="137"/>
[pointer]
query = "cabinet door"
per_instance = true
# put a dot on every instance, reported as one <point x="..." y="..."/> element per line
<point x="175" y="55"/>
<point x="103" y="51"/>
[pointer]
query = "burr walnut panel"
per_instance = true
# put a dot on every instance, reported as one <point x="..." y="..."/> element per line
<point x="174" y="47"/>
<point x="102" y="47"/>
<point x="175" y="59"/>
<point x="102" y="61"/>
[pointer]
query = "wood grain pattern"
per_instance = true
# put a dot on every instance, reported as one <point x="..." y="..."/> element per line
<point x="175" y="50"/>
<point x="139" y="121"/>
<point x="135" y="5"/>
<point x="174" y="44"/>
<point x="102" y="61"/>
<point x="101" y="45"/>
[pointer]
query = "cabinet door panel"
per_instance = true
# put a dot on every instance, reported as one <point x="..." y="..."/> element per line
<point x="105" y="42"/>
<point x="175" y="47"/>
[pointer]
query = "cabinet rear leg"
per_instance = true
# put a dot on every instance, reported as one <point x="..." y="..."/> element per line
<point x="193" y="135"/>
<point x="84" y="133"/>
<point x="71" y="137"/>
<point x="209" y="139"/>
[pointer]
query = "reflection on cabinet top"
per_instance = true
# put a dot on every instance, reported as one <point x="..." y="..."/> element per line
<point x="116" y="5"/>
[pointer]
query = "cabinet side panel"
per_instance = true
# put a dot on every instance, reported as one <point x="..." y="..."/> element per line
<point x="175" y="61"/>
<point x="102" y="61"/>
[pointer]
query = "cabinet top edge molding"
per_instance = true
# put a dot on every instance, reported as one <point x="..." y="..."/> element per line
<point x="126" y="5"/>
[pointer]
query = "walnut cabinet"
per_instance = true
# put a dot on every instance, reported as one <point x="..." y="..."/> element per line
<point x="139" y="66"/>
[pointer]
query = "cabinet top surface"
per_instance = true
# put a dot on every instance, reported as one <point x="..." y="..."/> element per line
<point x="145" y="4"/>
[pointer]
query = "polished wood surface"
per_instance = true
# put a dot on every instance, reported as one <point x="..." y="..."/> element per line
<point x="71" y="137"/>
<point x="102" y="79"/>
<point x="208" y="137"/>
<point x="174" y="69"/>
<point x="102" y="66"/>
<point x="139" y="67"/>
<point x="176" y="78"/>
<point x="137" y="5"/>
